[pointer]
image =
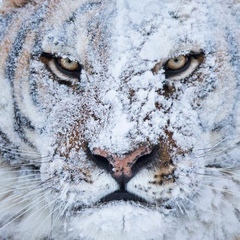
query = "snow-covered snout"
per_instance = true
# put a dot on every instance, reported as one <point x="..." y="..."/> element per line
<point x="125" y="140"/>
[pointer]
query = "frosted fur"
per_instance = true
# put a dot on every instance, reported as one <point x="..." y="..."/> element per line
<point x="50" y="186"/>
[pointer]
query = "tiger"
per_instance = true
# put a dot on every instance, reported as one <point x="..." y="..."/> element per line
<point x="120" y="119"/>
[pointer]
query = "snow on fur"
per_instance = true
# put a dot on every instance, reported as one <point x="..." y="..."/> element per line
<point x="51" y="187"/>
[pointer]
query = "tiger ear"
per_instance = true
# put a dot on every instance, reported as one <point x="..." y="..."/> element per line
<point x="9" y="4"/>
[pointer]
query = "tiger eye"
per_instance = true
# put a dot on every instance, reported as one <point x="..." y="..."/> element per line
<point x="68" y="64"/>
<point x="177" y="62"/>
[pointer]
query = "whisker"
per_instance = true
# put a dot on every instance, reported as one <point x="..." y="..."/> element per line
<point x="19" y="170"/>
<point x="225" y="171"/>
<point x="35" y="188"/>
<point x="182" y="184"/>
<point x="53" y="221"/>
<point x="18" y="178"/>
<point x="186" y="211"/>
<point x="21" y="187"/>
<point x="202" y="207"/>
<point x="50" y="215"/>
<point x="24" y="184"/>
<point x="215" y="145"/>
<point x="42" y="183"/>
<point x="23" y="165"/>
<point x="231" y="204"/>
<point x="10" y="190"/>
<point x="15" y="200"/>
<point x="41" y="210"/>
<point x="236" y="194"/>
<point x="180" y="207"/>
<point x="19" y="198"/>
<point x="20" y="213"/>
<point x="8" y="149"/>
<point x="214" y="152"/>
<point x="209" y="174"/>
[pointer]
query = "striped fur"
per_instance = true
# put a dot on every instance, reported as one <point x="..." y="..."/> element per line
<point x="52" y="126"/>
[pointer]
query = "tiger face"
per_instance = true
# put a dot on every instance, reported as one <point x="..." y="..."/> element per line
<point x="119" y="120"/>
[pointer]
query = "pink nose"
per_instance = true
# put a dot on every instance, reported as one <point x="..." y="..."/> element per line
<point x="123" y="165"/>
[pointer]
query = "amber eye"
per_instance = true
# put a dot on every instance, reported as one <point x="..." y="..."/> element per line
<point x="177" y="62"/>
<point x="68" y="64"/>
<point x="177" y="65"/>
<point x="183" y="66"/>
<point x="66" y="69"/>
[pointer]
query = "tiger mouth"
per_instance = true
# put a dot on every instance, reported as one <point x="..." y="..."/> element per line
<point x="121" y="197"/>
<point x="114" y="197"/>
<point x="124" y="196"/>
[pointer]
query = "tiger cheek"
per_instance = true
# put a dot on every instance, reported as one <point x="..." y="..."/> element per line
<point x="71" y="142"/>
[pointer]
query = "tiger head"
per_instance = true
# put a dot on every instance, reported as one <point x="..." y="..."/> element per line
<point x="117" y="116"/>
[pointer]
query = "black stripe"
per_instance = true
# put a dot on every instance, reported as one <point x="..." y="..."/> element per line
<point x="5" y="21"/>
<point x="5" y="148"/>
<point x="82" y="10"/>
<point x="33" y="89"/>
<point x="29" y="25"/>
<point x="63" y="37"/>
<point x="11" y="66"/>
<point x="32" y="78"/>
<point x="21" y="120"/>
<point x="4" y="139"/>
<point x="233" y="49"/>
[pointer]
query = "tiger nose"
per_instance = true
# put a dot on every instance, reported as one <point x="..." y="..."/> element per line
<point x="122" y="166"/>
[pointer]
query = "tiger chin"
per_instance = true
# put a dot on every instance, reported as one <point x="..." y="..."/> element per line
<point x="120" y="119"/>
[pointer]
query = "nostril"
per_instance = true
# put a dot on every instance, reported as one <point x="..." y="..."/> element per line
<point x="100" y="161"/>
<point x="143" y="161"/>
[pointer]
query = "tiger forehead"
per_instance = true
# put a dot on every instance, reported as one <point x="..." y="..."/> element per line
<point x="115" y="36"/>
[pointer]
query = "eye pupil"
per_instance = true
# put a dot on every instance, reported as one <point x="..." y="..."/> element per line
<point x="177" y="62"/>
<point x="68" y="64"/>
